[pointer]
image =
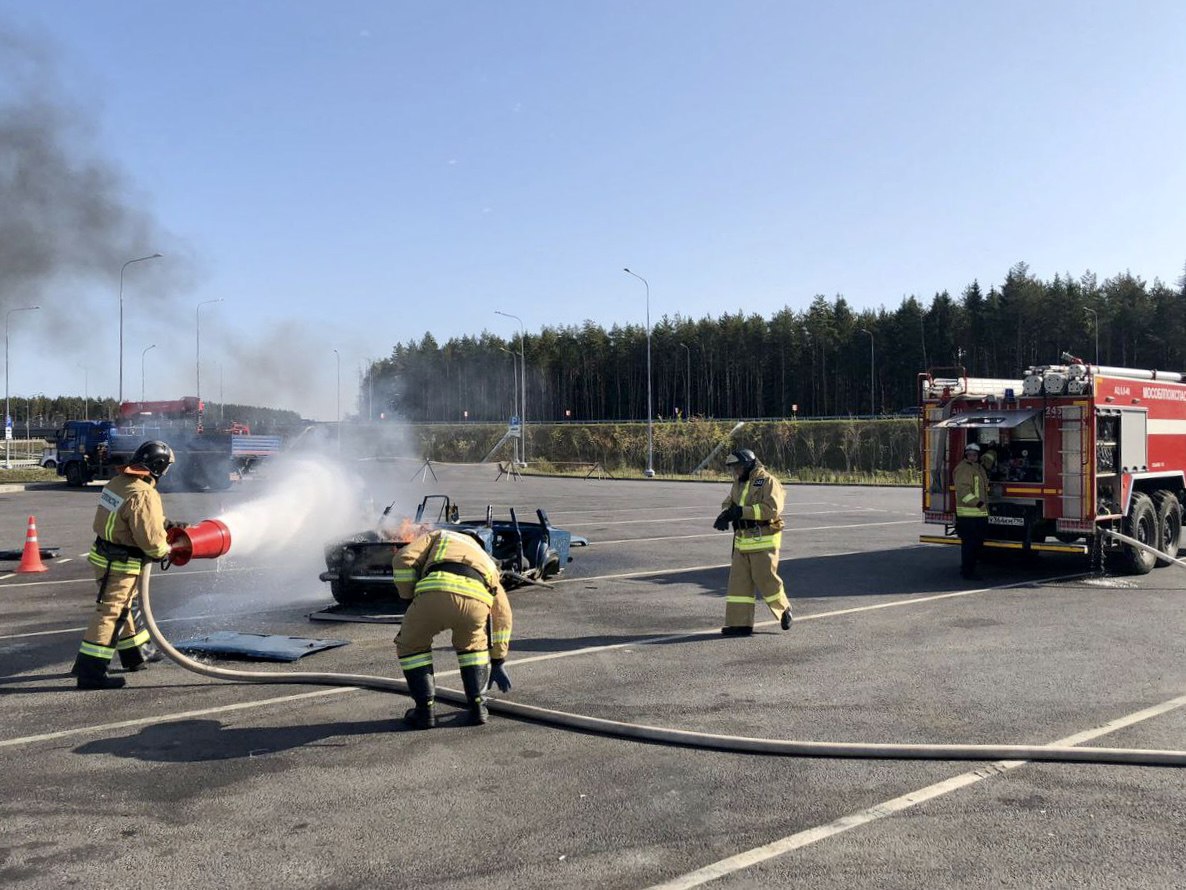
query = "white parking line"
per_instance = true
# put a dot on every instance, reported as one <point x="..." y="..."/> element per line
<point x="895" y="805"/>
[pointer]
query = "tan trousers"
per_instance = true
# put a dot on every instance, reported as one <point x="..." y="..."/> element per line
<point x="750" y="572"/>
<point x="116" y="597"/>
<point x="439" y="610"/>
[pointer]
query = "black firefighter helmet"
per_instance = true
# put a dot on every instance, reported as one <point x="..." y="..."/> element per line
<point x="742" y="456"/>
<point x="155" y="456"/>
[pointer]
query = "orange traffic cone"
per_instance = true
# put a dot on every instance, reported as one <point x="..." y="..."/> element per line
<point x="31" y="557"/>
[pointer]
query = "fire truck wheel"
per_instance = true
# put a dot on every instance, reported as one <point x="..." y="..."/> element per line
<point x="1169" y="524"/>
<point x="1141" y="523"/>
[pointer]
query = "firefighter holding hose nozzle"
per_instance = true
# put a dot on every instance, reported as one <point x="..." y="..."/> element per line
<point x="130" y="529"/>
<point x="453" y="585"/>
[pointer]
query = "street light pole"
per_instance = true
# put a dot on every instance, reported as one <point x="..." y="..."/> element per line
<point x="7" y="412"/>
<point x="688" y="384"/>
<point x="523" y="392"/>
<point x="198" y="352"/>
<point x="1095" y="316"/>
<point x="872" y="385"/>
<point x="650" y="470"/>
<point x="142" y="354"/>
<point x="121" y="318"/>
<point x="514" y="394"/>
<point x="86" y="392"/>
<point x="338" y="358"/>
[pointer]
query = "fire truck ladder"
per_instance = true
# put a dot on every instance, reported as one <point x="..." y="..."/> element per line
<point x="1074" y="464"/>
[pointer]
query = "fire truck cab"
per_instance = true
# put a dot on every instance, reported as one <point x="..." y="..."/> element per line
<point x="1070" y="450"/>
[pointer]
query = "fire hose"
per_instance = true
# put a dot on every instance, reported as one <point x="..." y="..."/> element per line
<point x="211" y="539"/>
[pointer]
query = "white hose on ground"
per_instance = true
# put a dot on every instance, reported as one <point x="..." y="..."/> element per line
<point x="679" y="737"/>
<point x="1135" y="543"/>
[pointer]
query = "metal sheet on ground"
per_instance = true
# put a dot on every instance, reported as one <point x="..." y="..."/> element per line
<point x="264" y="647"/>
<point x="379" y="614"/>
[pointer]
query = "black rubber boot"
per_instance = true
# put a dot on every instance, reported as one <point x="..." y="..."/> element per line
<point x="138" y="658"/>
<point x="92" y="673"/>
<point x="422" y="686"/>
<point x="474" y="678"/>
<point x="787" y="618"/>
<point x="737" y="631"/>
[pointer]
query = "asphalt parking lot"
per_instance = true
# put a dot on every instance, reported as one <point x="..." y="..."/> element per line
<point x="179" y="779"/>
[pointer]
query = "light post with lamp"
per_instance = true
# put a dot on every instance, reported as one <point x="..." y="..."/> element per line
<point x="688" y="383"/>
<point x="1096" y="324"/>
<point x="514" y="394"/>
<point x="650" y="470"/>
<point x="872" y="384"/>
<point x="198" y="353"/>
<point x="7" y="409"/>
<point x="338" y="359"/>
<point x="142" y="354"/>
<point x="523" y="392"/>
<point x="121" y="318"/>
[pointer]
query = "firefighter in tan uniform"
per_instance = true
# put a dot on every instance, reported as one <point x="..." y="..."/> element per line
<point x="971" y="508"/>
<point x="130" y="528"/>
<point x="754" y="509"/>
<point x="454" y="585"/>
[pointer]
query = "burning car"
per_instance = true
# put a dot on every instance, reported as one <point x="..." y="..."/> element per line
<point x="358" y="568"/>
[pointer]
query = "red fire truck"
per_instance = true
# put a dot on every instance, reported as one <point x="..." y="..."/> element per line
<point x="1075" y="449"/>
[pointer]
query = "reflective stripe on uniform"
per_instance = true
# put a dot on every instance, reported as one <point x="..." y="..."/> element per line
<point x="469" y="659"/>
<point x="757" y="512"/>
<point x="501" y="636"/>
<point x="750" y="600"/>
<point x="402" y="576"/>
<point x="96" y="651"/>
<point x="458" y="584"/>
<point x="419" y="660"/>
<point x="109" y="528"/>
<point x="758" y="542"/>
<point x="139" y="639"/>
<point x="127" y="566"/>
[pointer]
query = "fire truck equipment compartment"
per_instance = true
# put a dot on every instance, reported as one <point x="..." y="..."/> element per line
<point x="1001" y="420"/>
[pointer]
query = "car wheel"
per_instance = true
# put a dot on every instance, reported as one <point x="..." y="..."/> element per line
<point x="74" y="475"/>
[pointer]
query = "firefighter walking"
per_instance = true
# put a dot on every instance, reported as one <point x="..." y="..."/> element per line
<point x="971" y="508"/>
<point x="130" y="529"/>
<point x="453" y="585"/>
<point x="754" y="509"/>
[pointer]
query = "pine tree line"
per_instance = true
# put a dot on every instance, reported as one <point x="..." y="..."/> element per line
<point x="826" y="360"/>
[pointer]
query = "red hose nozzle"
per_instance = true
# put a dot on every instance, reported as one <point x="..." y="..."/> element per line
<point x="208" y="539"/>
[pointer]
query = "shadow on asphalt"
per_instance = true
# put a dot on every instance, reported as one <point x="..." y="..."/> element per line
<point x="895" y="572"/>
<point x="197" y="741"/>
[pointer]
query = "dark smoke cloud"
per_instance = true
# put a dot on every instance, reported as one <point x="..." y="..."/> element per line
<point x="68" y="218"/>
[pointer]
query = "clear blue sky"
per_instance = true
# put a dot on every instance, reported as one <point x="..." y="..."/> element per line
<point x="353" y="174"/>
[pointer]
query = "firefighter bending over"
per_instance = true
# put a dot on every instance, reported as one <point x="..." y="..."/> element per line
<point x="971" y="508"/>
<point x="454" y="585"/>
<point x="754" y="508"/>
<point x="130" y="528"/>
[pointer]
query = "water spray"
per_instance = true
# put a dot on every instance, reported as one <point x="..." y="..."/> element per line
<point x="211" y="539"/>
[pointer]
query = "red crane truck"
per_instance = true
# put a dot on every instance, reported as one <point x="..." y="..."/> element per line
<point x="1078" y="449"/>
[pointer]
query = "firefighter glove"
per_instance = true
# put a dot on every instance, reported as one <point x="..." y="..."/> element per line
<point x="169" y="523"/>
<point x="733" y="513"/>
<point x="722" y="521"/>
<point x="979" y="504"/>
<point x="499" y="676"/>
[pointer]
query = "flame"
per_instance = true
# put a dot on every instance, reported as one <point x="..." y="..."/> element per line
<point x="406" y="531"/>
